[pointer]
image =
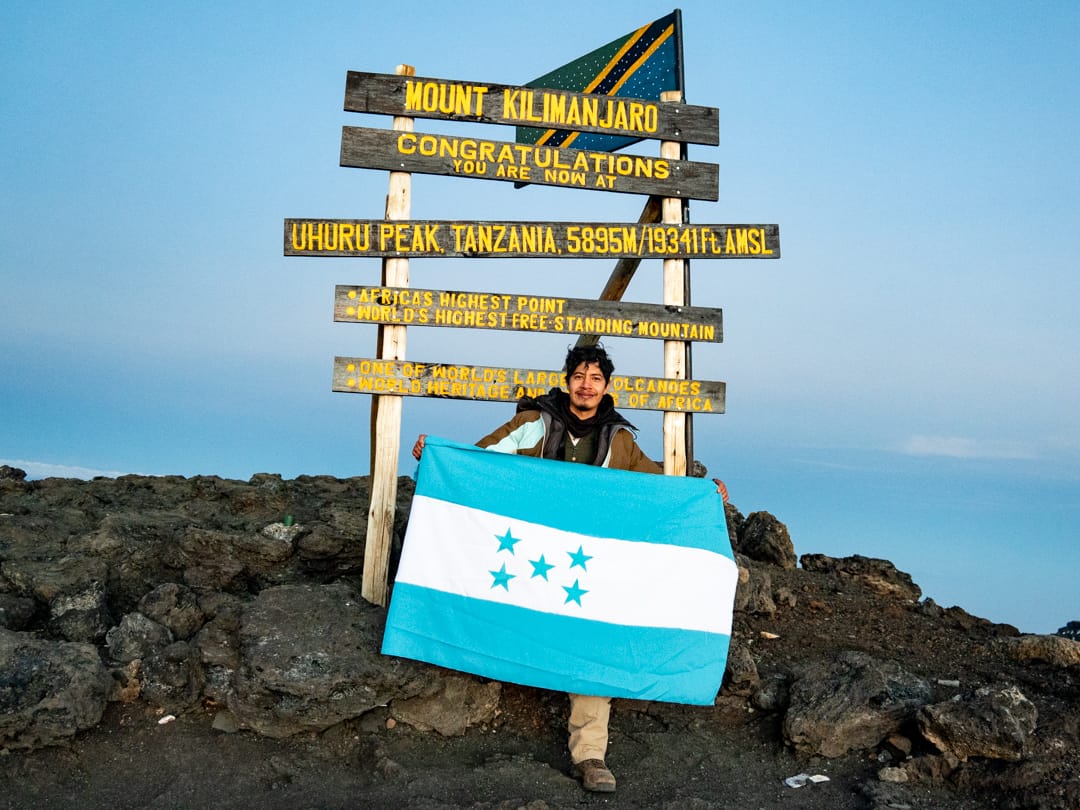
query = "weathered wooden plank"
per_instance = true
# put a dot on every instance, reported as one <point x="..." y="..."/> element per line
<point x="525" y="313"/>
<point x="480" y="159"/>
<point x="487" y="103"/>
<point x="528" y="240"/>
<point x="358" y="375"/>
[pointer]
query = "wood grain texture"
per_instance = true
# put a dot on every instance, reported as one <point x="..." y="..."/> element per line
<point x="489" y="103"/>
<point x="477" y="239"/>
<point x="359" y="375"/>
<point x="481" y="159"/>
<point x="525" y="313"/>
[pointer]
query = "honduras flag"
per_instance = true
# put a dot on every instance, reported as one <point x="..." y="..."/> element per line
<point x="564" y="576"/>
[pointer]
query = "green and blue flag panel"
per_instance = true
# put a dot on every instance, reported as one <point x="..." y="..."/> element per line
<point x="642" y="64"/>
<point x="565" y="576"/>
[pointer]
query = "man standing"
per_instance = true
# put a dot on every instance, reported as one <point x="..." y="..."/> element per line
<point x="579" y="425"/>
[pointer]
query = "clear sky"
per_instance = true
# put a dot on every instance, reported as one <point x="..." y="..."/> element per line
<point x="904" y="383"/>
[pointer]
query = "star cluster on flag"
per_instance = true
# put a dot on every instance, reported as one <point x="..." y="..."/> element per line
<point x="553" y="573"/>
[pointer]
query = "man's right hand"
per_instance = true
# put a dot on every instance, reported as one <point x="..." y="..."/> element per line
<point x="721" y="487"/>
<point x="418" y="448"/>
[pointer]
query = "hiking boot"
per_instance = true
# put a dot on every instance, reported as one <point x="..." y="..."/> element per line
<point x="594" y="775"/>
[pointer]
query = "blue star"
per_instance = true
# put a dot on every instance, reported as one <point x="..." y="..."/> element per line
<point x="573" y="593"/>
<point x="502" y="578"/>
<point x="540" y="567"/>
<point x="579" y="558"/>
<point x="506" y="542"/>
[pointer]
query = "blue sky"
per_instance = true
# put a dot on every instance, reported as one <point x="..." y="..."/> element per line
<point x="904" y="383"/>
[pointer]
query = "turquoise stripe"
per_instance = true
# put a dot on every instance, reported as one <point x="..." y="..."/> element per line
<point x="521" y="646"/>
<point x="633" y="506"/>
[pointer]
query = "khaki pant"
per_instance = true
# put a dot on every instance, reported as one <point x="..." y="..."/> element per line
<point x="588" y="727"/>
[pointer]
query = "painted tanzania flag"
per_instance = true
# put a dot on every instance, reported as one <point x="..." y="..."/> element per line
<point x="564" y="576"/>
<point x="642" y="64"/>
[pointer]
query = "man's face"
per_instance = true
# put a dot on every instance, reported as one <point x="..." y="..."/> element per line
<point x="587" y="387"/>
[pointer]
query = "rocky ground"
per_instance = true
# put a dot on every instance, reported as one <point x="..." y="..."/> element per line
<point x="172" y="642"/>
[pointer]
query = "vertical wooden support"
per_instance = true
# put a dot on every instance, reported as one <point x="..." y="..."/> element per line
<point x="675" y="356"/>
<point x="386" y="410"/>
<point x="690" y="462"/>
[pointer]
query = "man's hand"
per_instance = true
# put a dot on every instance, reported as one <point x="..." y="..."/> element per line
<point x="721" y="487"/>
<point x="418" y="448"/>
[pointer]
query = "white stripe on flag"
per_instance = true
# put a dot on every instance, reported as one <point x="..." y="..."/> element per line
<point x="483" y="555"/>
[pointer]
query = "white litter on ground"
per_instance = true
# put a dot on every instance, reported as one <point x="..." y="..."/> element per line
<point x="802" y="779"/>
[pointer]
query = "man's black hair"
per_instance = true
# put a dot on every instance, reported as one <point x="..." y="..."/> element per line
<point x="590" y="356"/>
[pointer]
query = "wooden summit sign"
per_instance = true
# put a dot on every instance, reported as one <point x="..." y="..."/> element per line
<point x="361" y="375"/>
<point x="528" y="240"/>
<point x="488" y="103"/>
<point x="412" y="306"/>
<point x="548" y="121"/>
<point x="477" y="158"/>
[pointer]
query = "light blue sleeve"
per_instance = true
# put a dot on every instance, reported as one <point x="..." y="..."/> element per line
<point x="524" y="436"/>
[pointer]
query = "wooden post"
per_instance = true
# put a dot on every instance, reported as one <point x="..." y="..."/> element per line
<point x="386" y="410"/>
<point x="690" y="461"/>
<point x="671" y="211"/>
